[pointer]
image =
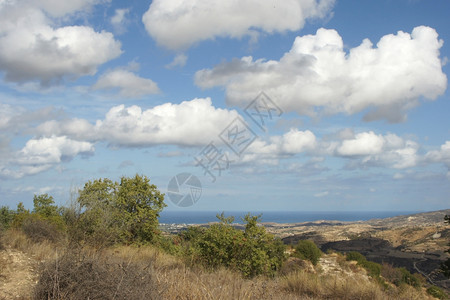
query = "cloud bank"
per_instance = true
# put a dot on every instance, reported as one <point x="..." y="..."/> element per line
<point x="178" y="25"/>
<point x="190" y="123"/>
<point x="318" y="75"/>
<point x="32" y="48"/>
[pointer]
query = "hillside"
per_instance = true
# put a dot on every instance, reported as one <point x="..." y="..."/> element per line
<point x="416" y="242"/>
<point x="173" y="269"/>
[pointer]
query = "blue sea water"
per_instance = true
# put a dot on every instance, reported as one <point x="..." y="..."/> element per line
<point x="200" y="217"/>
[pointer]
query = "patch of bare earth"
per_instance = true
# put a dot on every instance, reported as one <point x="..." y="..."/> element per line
<point x="18" y="274"/>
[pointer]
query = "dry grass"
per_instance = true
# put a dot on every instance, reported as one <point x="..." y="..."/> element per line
<point x="129" y="272"/>
<point x="40" y="251"/>
<point x="77" y="275"/>
<point x="316" y="286"/>
<point x="175" y="280"/>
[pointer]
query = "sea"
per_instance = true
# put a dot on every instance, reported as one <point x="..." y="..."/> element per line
<point x="201" y="217"/>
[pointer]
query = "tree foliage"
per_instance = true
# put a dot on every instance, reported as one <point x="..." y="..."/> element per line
<point x="6" y="217"/>
<point x="252" y="251"/>
<point x="125" y="211"/>
<point x="306" y="249"/>
<point x="44" y="205"/>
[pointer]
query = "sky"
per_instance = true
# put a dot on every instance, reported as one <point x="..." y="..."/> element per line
<point x="299" y="105"/>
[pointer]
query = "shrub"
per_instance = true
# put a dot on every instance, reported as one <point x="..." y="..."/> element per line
<point x="391" y="274"/>
<point x="20" y="215"/>
<point x="373" y="268"/>
<point x="6" y="217"/>
<point x="408" y="278"/>
<point x="169" y="245"/>
<point x="39" y="230"/>
<point x="356" y="256"/>
<point x="308" y="250"/>
<point x="437" y="292"/>
<point x="125" y="212"/>
<point x="252" y="252"/>
<point x="77" y="276"/>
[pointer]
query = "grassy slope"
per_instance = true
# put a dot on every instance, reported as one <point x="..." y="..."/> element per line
<point x="160" y="275"/>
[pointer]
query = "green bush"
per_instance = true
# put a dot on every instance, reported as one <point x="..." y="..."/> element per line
<point x="20" y="215"/>
<point x="356" y="256"/>
<point x="6" y="217"/>
<point x="169" y="245"/>
<point x="372" y="268"/>
<point x="252" y="251"/>
<point x="437" y="292"/>
<point x="124" y="212"/>
<point x="408" y="278"/>
<point x="39" y="229"/>
<point x="308" y="250"/>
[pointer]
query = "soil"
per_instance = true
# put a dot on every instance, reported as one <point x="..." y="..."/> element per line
<point x="18" y="274"/>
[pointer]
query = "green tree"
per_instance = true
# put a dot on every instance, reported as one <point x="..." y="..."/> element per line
<point x="306" y="249"/>
<point x="44" y="206"/>
<point x="21" y="214"/>
<point x="252" y="251"/>
<point x="6" y="217"/>
<point x="121" y="212"/>
<point x="139" y="204"/>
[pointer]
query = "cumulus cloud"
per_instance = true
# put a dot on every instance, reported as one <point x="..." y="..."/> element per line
<point x="15" y="118"/>
<point x="128" y="83"/>
<point x="33" y="49"/>
<point x="119" y="20"/>
<point x="178" y="61"/>
<point x="440" y="156"/>
<point x="41" y="154"/>
<point x="190" y="123"/>
<point x="317" y="75"/>
<point x="58" y="8"/>
<point x="179" y="24"/>
<point x="277" y="147"/>
<point x="52" y="150"/>
<point x="367" y="149"/>
<point x="362" y="150"/>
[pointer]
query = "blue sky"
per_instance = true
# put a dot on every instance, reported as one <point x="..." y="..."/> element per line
<point x="94" y="88"/>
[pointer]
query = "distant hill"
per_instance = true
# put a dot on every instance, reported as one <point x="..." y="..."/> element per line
<point x="420" y="219"/>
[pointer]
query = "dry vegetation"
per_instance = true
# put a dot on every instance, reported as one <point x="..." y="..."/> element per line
<point x="146" y="272"/>
<point x="110" y="247"/>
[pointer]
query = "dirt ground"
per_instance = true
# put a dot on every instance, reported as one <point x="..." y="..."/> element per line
<point x="17" y="274"/>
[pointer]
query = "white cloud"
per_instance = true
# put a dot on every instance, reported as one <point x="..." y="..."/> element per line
<point x="170" y="154"/>
<point x="178" y="61"/>
<point x="367" y="149"/>
<point x="178" y="24"/>
<point x="365" y="143"/>
<point x="439" y="156"/>
<point x="321" y="194"/>
<point x="32" y="49"/>
<point x="58" y="8"/>
<point x="191" y="123"/>
<point x="41" y="154"/>
<point x="318" y="75"/>
<point x="119" y="20"/>
<point x="128" y="83"/>
<point x="270" y="152"/>
<point x="52" y="150"/>
<point x="15" y="118"/>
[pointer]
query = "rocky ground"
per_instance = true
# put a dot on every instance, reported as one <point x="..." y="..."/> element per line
<point x="416" y="242"/>
<point x="17" y="274"/>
